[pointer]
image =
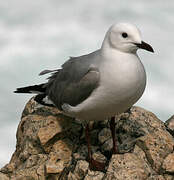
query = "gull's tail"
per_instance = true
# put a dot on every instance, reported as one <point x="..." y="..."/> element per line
<point x="40" y="90"/>
<point x="36" y="89"/>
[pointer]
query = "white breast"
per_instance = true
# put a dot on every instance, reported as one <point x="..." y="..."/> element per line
<point x="122" y="83"/>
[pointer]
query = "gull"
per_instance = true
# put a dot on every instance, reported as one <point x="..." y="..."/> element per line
<point x="99" y="85"/>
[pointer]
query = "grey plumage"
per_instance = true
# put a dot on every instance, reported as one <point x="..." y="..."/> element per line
<point x="74" y="82"/>
<point x="46" y="72"/>
<point x="71" y="84"/>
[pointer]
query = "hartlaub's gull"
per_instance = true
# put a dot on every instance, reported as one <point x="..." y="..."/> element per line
<point x="98" y="85"/>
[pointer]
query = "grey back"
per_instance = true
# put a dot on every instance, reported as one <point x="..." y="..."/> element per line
<point x="75" y="81"/>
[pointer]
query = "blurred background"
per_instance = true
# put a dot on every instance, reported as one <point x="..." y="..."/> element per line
<point x="38" y="35"/>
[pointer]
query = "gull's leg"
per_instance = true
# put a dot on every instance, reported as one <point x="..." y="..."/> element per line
<point x="93" y="164"/>
<point x="112" y="127"/>
<point x="88" y="142"/>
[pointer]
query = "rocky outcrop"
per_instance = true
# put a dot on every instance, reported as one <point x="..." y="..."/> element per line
<point x="51" y="146"/>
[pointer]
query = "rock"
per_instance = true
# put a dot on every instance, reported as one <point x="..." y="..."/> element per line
<point x="156" y="146"/>
<point x="52" y="168"/>
<point x="52" y="146"/>
<point x="137" y="124"/>
<point x="94" y="175"/>
<point x="3" y="177"/>
<point x="170" y="125"/>
<point x="98" y="156"/>
<point x="81" y="153"/>
<point x="47" y="133"/>
<point x="71" y="176"/>
<point x="127" y="166"/>
<point x="107" y="145"/>
<point x="168" y="163"/>
<point x="81" y="169"/>
<point x="104" y="135"/>
<point x="156" y="177"/>
<point x="168" y="177"/>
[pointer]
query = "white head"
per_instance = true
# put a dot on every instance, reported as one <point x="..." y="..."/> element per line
<point x="125" y="37"/>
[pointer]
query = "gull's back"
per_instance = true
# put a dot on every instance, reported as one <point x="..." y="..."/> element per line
<point x="66" y="79"/>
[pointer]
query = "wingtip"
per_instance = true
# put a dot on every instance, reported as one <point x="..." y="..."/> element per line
<point x="17" y="91"/>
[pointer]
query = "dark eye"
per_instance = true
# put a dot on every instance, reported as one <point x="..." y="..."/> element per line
<point x="124" y="35"/>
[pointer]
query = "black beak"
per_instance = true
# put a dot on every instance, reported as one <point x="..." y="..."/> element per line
<point x="145" y="46"/>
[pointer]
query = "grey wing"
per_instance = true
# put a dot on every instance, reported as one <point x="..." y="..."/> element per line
<point x="72" y="92"/>
<point x="77" y="92"/>
<point x="74" y="82"/>
<point x="46" y="71"/>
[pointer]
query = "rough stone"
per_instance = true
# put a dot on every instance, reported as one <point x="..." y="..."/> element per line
<point x="168" y="163"/>
<point x="168" y="177"/>
<point x="52" y="168"/>
<point x="52" y="128"/>
<point x="107" y="145"/>
<point x="127" y="166"/>
<point x="3" y="177"/>
<point x="51" y="146"/>
<point x="156" y="177"/>
<point x="156" y="146"/>
<point x="94" y="175"/>
<point x="71" y="176"/>
<point x="98" y="156"/>
<point x="81" y="169"/>
<point x="61" y="151"/>
<point x="170" y="125"/>
<point x="104" y="135"/>
<point x="81" y="153"/>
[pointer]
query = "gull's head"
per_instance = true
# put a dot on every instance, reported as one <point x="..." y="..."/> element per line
<point x="125" y="37"/>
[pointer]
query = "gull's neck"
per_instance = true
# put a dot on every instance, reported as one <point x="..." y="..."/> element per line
<point x="108" y="51"/>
